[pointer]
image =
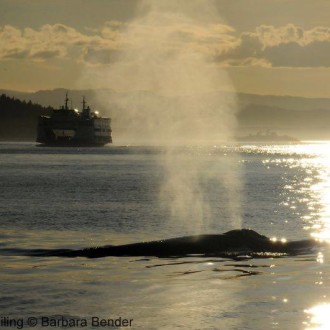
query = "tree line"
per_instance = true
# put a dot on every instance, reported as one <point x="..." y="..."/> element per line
<point x="19" y="119"/>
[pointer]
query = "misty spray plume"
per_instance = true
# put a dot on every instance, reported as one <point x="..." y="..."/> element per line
<point x="168" y="85"/>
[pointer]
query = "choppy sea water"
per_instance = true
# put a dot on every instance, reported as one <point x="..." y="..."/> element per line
<point x="74" y="198"/>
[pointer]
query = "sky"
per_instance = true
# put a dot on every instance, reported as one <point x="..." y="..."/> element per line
<point x="272" y="47"/>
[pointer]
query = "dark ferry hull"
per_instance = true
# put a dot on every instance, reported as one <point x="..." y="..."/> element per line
<point x="71" y="144"/>
<point x="68" y="127"/>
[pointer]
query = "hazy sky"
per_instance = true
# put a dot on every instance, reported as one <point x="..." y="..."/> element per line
<point x="266" y="46"/>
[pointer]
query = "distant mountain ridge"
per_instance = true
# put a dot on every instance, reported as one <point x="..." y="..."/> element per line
<point x="54" y="98"/>
<point x="285" y="101"/>
<point x="304" y="118"/>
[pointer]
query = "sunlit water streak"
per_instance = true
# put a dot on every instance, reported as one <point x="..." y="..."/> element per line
<point x="70" y="198"/>
<point x="318" y="317"/>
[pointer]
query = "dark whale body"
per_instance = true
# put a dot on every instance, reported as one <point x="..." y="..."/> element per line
<point x="230" y="244"/>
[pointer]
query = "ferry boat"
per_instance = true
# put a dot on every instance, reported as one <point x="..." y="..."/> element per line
<point x="71" y="127"/>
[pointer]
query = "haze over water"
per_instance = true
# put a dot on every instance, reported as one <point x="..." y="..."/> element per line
<point x="189" y="112"/>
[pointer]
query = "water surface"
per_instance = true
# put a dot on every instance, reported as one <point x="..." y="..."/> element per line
<point x="72" y="198"/>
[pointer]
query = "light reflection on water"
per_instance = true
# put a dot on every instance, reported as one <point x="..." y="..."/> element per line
<point x="313" y="190"/>
<point x="307" y="192"/>
<point x="318" y="317"/>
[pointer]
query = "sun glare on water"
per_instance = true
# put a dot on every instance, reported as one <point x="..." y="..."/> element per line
<point x="306" y="185"/>
<point x="314" y="159"/>
<point x="318" y="317"/>
<point x="321" y="190"/>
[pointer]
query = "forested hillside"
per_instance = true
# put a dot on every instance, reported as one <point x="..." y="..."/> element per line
<point x="18" y="119"/>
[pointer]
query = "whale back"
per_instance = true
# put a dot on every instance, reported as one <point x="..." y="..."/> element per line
<point x="229" y="244"/>
<point x="209" y="244"/>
